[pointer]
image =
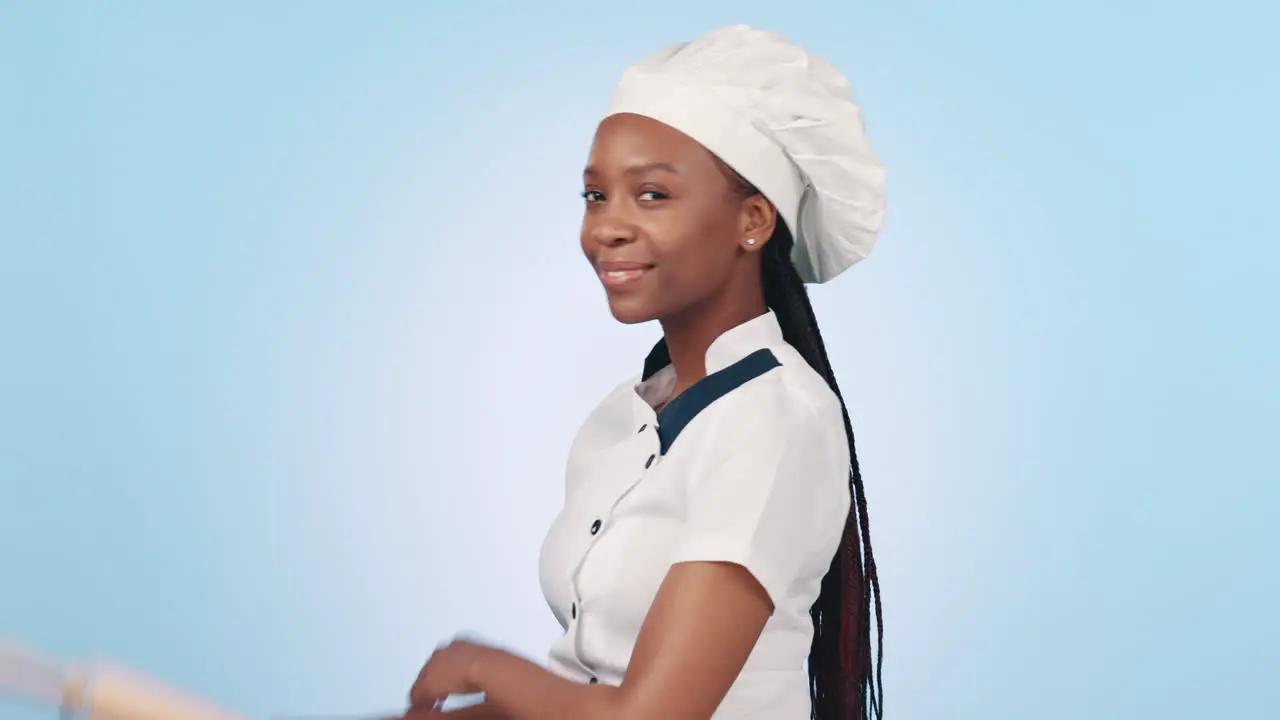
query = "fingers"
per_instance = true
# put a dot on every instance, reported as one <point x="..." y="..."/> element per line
<point x="418" y="697"/>
<point x="421" y="700"/>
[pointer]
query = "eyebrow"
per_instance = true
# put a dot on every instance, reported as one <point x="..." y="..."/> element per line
<point x="637" y="169"/>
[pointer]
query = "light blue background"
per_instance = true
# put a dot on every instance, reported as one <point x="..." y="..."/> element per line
<point x="294" y="335"/>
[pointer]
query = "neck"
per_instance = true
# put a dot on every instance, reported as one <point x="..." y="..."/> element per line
<point x="689" y="334"/>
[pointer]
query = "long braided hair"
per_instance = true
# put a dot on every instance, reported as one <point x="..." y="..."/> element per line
<point x="844" y="684"/>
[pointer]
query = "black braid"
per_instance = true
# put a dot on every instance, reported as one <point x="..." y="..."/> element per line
<point x="844" y="684"/>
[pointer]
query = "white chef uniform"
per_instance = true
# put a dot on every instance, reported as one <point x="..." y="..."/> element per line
<point x="749" y="466"/>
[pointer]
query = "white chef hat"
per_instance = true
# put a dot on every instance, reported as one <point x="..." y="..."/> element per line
<point x="785" y="120"/>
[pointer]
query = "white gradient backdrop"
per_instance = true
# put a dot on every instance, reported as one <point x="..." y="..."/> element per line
<point x="294" y="335"/>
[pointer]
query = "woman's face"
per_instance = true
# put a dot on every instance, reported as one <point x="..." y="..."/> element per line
<point x="662" y="227"/>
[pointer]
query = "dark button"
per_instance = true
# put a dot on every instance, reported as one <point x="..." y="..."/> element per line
<point x="643" y="427"/>
<point x="593" y="680"/>
<point x="595" y="527"/>
<point x="573" y="611"/>
<point x="649" y="462"/>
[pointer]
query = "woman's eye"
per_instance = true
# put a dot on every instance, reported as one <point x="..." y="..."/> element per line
<point x="592" y="196"/>
<point x="653" y="195"/>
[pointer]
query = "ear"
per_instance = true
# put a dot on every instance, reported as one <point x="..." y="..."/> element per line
<point x="759" y="218"/>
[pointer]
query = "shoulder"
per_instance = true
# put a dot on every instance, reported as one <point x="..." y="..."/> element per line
<point x="613" y="419"/>
<point x="802" y="394"/>
<point x="765" y="475"/>
<point x="615" y="409"/>
<point x="789" y="405"/>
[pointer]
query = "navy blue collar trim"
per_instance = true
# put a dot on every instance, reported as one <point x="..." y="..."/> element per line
<point x="658" y="358"/>
<point x="684" y="408"/>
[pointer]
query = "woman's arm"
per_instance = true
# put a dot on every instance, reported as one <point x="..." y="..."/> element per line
<point x="694" y="642"/>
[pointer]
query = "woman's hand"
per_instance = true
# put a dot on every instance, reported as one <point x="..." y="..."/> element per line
<point x="512" y="686"/>
<point x="451" y="670"/>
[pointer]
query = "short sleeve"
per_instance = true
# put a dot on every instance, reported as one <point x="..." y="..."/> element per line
<point x="772" y="497"/>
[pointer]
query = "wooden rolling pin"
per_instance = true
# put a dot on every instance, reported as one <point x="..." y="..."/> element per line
<point x="105" y="692"/>
<point x="99" y="691"/>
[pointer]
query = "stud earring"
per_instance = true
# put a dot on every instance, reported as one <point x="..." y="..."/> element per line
<point x="751" y="241"/>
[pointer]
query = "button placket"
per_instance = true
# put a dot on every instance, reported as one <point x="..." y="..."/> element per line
<point x="595" y="532"/>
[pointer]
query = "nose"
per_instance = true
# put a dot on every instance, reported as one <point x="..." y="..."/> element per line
<point x="610" y="230"/>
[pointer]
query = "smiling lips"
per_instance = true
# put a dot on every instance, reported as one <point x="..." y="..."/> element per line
<point x="618" y="274"/>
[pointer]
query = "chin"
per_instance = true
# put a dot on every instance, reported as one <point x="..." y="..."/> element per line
<point x="631" y="310"/>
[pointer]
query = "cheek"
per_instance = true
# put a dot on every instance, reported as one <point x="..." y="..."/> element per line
<point x="699" y="262"/>
<point x="584" y="238"/>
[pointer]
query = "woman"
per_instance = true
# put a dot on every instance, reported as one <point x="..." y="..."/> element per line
<point x="714" y="534"/>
